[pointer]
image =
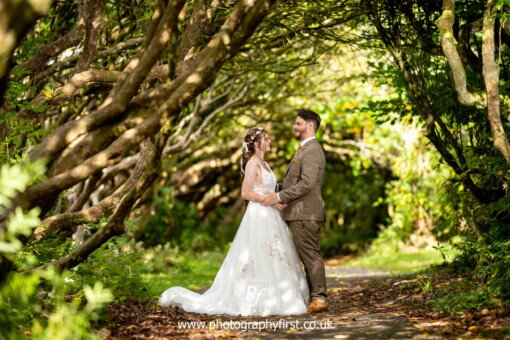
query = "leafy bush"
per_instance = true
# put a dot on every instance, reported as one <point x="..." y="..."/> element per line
<point x="487" y="262"/>
<point x="177" y="223"/>
<point x="461" y="296"/>
<point x="119" y="263"/>
<point x="34" y="303"/>
<point x="130" y="270"/>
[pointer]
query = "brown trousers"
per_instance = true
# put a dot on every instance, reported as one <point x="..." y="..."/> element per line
<point x="306" y="238"/>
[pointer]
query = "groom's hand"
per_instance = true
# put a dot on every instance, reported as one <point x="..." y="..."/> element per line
<point x="280" y="206"/>
<point x="271" y="198"/>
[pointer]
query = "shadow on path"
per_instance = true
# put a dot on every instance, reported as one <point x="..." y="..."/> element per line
<point x="132" y="319"/>
<point x="363" y="304"/>
<point x="344" y="321"/>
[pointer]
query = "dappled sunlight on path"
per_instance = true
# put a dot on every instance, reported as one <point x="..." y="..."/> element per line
<point x="364" y="304"/>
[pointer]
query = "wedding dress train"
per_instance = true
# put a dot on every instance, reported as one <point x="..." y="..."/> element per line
<point x="261" y="274"/>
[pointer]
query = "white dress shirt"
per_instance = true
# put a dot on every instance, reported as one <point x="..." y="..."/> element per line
<point x="303" y="142"/>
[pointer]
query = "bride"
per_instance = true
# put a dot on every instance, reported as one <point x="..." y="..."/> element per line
<point x="261" y="274"/>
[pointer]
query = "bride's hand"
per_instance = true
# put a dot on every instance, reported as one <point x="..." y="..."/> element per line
<point x="280" y="206"/>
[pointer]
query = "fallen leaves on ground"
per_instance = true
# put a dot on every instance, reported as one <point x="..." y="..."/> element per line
<point x="403" y="297"/>
<point x="394" y="297"/>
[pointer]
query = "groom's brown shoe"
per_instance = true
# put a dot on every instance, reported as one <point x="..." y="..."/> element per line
<point x="317" y="306"/>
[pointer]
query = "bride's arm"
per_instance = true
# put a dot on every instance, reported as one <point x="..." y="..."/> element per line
<point x="250" y="174"/>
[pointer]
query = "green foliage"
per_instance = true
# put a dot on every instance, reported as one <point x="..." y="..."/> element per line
<point x="350" y="215"/>
<point x="23" y="131"/>
<point x="130" y="270"/>
<point x="502" y="7"/>
<point x="474" y="207"/>
<point x="425" y="285"/>
<point x="17" y="177"/>
<point x="46" y="304"/>
<point x="461" y="296"/>
<point x="13" y="180"/>
<point x="417" y="214"/>
<point x="118" y="263"/>
<point x="177" y="223"/>
<point x="33" y="302"/>
<point x="488" y="261"/>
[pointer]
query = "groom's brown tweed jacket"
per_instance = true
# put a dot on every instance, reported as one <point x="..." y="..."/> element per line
<point x="301" y="188"/>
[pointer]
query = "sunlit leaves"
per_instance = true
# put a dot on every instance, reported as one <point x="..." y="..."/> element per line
<point x="97" y="296"/>
<point x="13" y="180"/>
<point x="16" y="177"/>
<point x="21" y="296"/>
<point x="500" y="4"/>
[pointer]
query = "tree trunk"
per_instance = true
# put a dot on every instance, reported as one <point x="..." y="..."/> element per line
<point x="491" y="78"/>
<point x="16" y="18"/>
<point x="445" y="25"/>
<point x="142" y="177"/>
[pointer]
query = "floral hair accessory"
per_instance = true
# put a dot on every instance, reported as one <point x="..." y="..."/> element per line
<point x="257" y="133"/>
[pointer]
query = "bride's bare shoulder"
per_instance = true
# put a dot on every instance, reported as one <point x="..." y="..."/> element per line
<point x="252" y="162"/>
<point x="253" y="165"/>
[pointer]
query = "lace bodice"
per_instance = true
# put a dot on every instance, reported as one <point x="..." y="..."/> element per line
<point x="265" y="181"/>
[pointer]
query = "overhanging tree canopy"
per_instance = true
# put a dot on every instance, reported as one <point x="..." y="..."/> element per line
<point x="104" y="77"/>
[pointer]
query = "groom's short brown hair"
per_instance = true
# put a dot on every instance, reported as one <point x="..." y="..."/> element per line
<point x="310" y="116"/>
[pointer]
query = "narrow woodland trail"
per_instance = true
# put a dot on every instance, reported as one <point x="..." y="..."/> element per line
<point x="364" y="304"/>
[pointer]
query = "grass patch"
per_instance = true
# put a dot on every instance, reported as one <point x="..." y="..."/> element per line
<point x="398" y="262"/>
<point x="132" y="271"/>
<point x="189" y="270"/>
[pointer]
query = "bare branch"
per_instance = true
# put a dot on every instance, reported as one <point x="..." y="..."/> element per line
<point x="187" y="139"/>
<point x="85" y="193"/>
<point x="102" y="159"/>
<point x="61" y="65"/>
<point x="144" y="174"/>
<point x="240" y="25"/>
<point x="120" y="95"/>
<point x="188" y="136"/>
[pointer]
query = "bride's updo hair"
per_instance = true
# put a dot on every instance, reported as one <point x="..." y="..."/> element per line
<point x="253" y="136"/>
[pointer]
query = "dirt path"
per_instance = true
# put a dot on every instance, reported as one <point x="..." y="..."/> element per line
<point x="364" y="304"/>
<point x="348" y="322"/>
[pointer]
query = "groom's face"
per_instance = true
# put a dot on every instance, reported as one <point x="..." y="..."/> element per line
<point x="300" y="128"/>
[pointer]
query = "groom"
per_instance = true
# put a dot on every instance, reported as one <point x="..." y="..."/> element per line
<point x="301" y="191"/>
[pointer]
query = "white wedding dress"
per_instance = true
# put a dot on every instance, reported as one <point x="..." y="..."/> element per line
<point x="261" y="274"/>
